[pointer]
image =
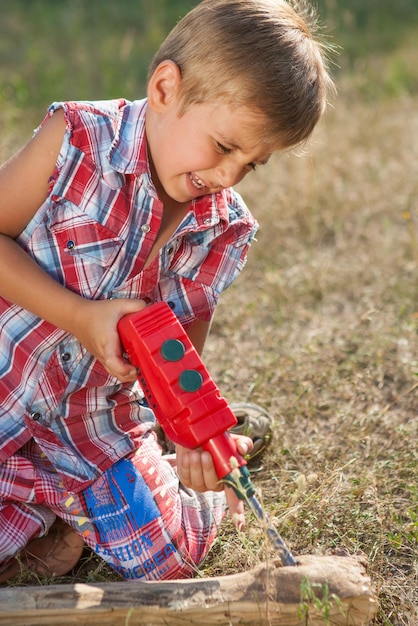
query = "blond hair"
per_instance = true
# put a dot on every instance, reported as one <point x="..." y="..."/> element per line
<point x="260" y="54"/>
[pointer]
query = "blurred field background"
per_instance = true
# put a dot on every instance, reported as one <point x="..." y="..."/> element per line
<point x="322" y="326"/>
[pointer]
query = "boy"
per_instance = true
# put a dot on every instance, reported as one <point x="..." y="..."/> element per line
<point x="111" y="206"/>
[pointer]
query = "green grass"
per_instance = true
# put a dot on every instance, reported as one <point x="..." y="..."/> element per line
<point x="78" y="50"/>
<point x="100" y="49"/>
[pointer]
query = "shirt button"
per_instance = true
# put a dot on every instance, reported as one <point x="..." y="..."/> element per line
<point x="145" y="228"/>
<point x="170" y="250"/>
<point x="70" y="244"/>
<point x="35" y="416"/>
<point x="66" y="356"/>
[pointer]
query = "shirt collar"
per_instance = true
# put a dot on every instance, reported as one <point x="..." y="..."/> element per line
<point x="128" y="152"/>
<point x="211" y="209"/>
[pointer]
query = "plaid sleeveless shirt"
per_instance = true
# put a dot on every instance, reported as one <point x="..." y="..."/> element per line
<point x="93" y="234"/>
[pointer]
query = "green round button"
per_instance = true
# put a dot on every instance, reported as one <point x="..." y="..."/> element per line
<point x="173" y="350"/>
<point x="190" y="380"/>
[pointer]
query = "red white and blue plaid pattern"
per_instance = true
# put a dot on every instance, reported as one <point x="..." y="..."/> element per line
<point x="136" y="516"/>
<point x="89" y="236"/>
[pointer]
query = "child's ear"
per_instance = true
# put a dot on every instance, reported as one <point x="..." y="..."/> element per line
<point x="163" y="85"/>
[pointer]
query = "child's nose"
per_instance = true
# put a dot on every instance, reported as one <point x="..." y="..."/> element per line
<point x="228" y="174"/>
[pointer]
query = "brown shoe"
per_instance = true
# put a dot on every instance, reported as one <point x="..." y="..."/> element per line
<point x="55" y="554"/>
<point x="255" y="422"/>
<point x="12" y="570"/>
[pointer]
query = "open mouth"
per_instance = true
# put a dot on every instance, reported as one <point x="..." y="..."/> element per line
<point x="196" y="181"/>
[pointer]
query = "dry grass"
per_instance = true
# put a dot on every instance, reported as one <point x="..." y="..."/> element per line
<point x="321" y="328"/>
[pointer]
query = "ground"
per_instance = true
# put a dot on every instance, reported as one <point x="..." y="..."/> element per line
<point x="321" y="329"/>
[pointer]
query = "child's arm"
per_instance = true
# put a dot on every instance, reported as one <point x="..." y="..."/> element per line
<point x="23" y="188"/>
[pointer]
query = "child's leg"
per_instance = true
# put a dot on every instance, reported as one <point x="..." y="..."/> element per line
<point x="141" y="521"/>
<point x="137" y="516"/>
<point x="20" y="518"/>
<point x="19" y="524"/>
<point x="29" y="529"/>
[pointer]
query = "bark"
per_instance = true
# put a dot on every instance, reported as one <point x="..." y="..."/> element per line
<point x="268" y="595"/>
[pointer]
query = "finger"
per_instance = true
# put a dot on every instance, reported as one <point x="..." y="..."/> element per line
<point x="122" y="370"/>
<point x="198" y="478"/>
<point x="236" y="508"/>
<point x="211" y="478"/>
<point x="244" y="444"/>
<point x="129" y="305"/>
<point x="183" y="465"/>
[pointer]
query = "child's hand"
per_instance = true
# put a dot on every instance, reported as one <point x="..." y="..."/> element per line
<point x="95" y="326"/>
<point x="196" y="471"/>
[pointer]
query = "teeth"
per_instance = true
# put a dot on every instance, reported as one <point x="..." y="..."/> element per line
<point x="199" y="184"/>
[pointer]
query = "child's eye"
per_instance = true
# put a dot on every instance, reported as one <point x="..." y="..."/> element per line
<point x="223" y="148"/>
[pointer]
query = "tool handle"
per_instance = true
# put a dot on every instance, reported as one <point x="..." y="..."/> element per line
<point x="178" y="387"/>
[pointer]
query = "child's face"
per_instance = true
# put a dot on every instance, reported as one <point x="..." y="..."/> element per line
<point x="208" y="148"/>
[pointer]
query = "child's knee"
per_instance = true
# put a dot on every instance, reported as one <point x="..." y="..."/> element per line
<point x="19" y="524"/>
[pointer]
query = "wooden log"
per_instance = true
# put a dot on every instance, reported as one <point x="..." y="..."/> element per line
<point x="264" y="595"/>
